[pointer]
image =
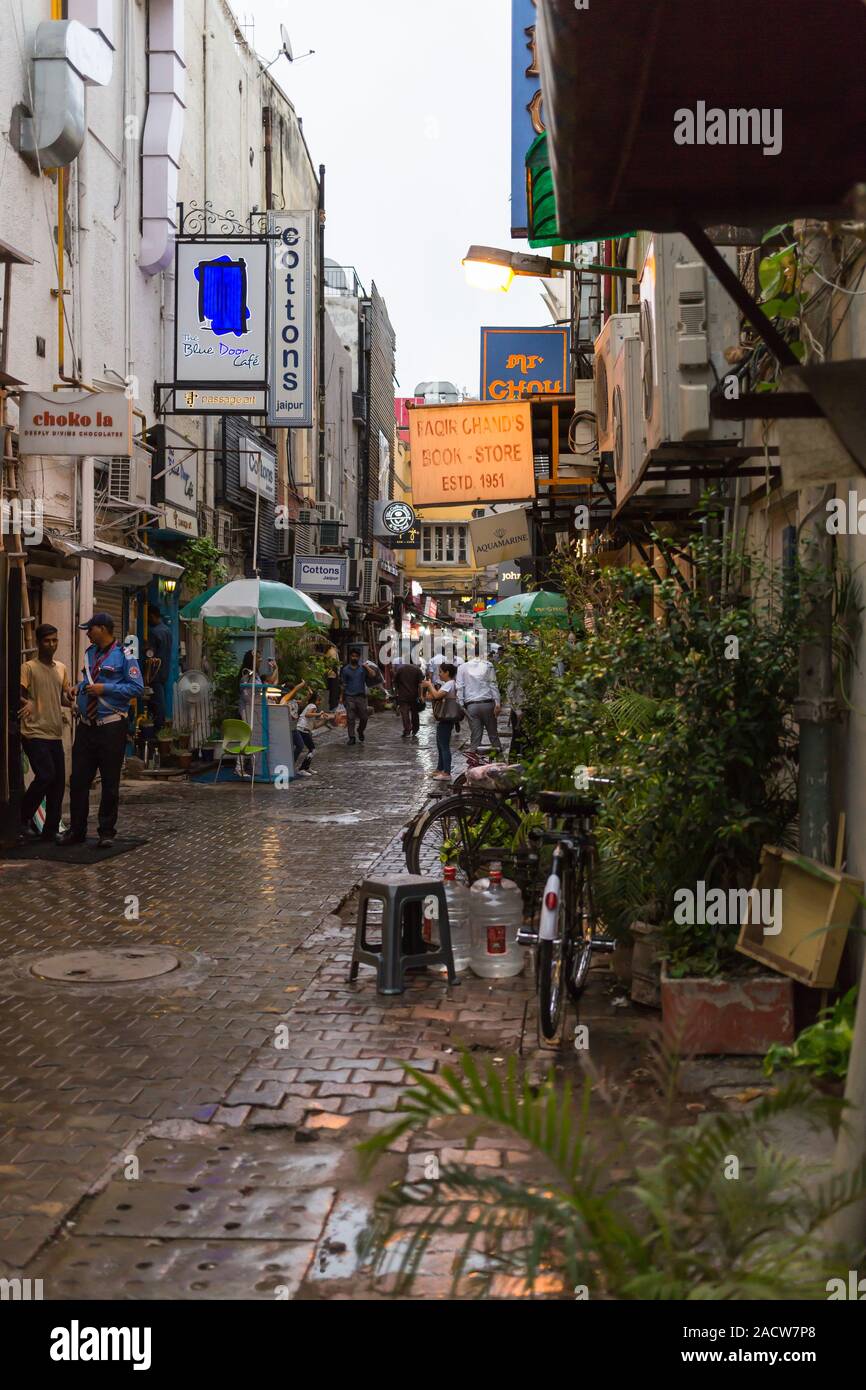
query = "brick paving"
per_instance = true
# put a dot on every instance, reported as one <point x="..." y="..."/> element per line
<point x="193" y="1135"/>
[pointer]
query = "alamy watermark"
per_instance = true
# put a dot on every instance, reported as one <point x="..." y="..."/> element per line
<point x="717" y="908"/>
<point x="735" y="126"/>
<point x="24" y="519"/>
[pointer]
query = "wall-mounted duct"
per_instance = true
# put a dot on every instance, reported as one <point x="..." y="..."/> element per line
<point x="163" y="133"/>
<point x="67" y="57"/>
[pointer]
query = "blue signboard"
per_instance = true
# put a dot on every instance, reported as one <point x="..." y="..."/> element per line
<point x="520" y="362"/>
<point x="527" y="120"/>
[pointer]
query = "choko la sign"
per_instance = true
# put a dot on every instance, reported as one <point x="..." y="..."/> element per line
<point x="69" y="424"/>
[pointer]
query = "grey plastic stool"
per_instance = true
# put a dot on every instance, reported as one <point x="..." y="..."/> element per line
<point x="402" y="898"/>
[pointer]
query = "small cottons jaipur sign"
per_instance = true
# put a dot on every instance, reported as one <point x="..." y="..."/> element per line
<point x="474" y="452"/>
<point x="71" y="424"/>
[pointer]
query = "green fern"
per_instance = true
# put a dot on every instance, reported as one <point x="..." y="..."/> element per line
<point x="678" y="1226"/>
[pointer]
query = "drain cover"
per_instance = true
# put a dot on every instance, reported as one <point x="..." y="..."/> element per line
<point x="105" y="967"/>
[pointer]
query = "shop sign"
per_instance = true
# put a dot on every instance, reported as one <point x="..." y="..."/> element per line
<point x="292" y="401"/>
<point x="174" y="519"/>
<point x="503" y="536"/>
<point x="474" y="452"/>
<point x="510" y="580"/>
<point x="181" y="478"/>
<point x="392" y="519"/>
<point x="521" y="362"/>
<point x="431" y="608"/>
<point x="72" y="424"/>
<point x="527" y="115"/>
<point x="214" y="402"/>
<point x="321" y="574"/>
<point x="221" y="326"/>
<point x="258" y="470"/>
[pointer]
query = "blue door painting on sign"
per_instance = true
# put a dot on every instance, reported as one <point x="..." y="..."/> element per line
<point x="222" y="295"/>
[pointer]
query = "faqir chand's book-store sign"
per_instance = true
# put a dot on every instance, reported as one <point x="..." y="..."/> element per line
<point x="474" y="452"/>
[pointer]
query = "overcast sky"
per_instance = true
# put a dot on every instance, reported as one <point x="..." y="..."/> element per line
<point x="406" y="104"/>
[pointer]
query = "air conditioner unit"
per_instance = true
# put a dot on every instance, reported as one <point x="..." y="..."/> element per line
<point x="205" y="521"/>
<point x="368" y="581"/>
<point x="385" y="594"/>
<point x="129" y="480"/>
<point x="687" y="320"/>
<point x="284" y="543"/>
<point x="608" y="346"/>
<point x="308" y="517"/>
<point x="626" y="420"/>
<point x="223" y="531"/>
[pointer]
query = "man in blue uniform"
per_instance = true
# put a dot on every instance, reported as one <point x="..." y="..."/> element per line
<point x="110" y="680"/>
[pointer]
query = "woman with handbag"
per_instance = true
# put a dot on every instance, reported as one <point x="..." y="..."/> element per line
<point x="446" y="712"/>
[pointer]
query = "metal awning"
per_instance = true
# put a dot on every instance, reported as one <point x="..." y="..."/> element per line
<point x="137" y="569"/>
<point x="614" y="75"/>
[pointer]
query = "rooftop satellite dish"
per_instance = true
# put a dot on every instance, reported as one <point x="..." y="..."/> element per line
<point x="287" y="43"/>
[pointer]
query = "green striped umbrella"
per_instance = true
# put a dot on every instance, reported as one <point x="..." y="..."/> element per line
<point x="259" y="603"/>
<point x="524" y="611"/>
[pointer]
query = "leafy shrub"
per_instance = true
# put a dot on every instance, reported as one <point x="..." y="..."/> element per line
<point x="824" y="1048"/>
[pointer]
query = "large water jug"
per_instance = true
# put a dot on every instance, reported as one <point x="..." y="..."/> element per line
<point x="457" y="898"/>
<point x="496" y="916"/>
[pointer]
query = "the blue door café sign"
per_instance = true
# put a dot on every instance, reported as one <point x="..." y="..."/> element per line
<point x="521" y="362"/>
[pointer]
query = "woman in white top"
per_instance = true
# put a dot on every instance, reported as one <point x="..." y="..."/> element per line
<point x="443" y="690"/>
<point x="310" y="718"/>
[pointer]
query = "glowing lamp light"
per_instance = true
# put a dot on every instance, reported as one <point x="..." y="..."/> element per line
<point x="481" y="275"/>
<point x="169" y="586"/>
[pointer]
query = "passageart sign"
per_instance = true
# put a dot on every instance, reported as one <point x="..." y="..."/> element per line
<point x="521" y="362"/>
<point x="221" y="326"/>
<point x="292" y="323"/>
<point x="474" y="452"/>
<point x="75" y="423"/>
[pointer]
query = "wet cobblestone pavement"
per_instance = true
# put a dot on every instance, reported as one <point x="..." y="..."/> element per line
<point x="154" y="1142"/>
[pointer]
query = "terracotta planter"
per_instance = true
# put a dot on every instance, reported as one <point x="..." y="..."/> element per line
<point x="646" y="964"/>
<point x="183" y="758"/>
<point x="726" y="1016"/>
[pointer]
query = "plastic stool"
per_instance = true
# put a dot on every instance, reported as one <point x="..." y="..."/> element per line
<point x="402" y="898"/>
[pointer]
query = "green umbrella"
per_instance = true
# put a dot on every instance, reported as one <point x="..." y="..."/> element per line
<point x="259" y="603"/>
<point x="524" y="611"/>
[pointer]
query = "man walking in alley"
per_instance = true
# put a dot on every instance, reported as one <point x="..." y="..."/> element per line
<point x="45" y="690"/>
<point x="354" y="679"/>
<point x="111" y="680"/>
<point x="159" y="653"/>
<point x="407" y="688"/>
<point x="478" y="694"/>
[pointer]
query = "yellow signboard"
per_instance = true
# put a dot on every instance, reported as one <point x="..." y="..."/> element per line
<point x="475" y="452"/>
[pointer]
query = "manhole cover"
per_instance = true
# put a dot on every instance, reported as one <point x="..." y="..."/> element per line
<point x="105" y="967"/>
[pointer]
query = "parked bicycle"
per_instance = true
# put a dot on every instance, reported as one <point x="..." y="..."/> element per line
<point x="566" y="935"/>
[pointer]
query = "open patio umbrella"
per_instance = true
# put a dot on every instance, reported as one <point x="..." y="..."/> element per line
<point x="257" y="603"/>
<point x="524" y="611"/>
<point x="262" y="604"/>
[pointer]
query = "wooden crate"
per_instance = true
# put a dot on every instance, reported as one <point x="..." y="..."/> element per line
<point x="818" y="907"/>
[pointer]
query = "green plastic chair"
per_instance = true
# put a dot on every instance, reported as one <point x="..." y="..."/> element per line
<point x="236" y="735"/>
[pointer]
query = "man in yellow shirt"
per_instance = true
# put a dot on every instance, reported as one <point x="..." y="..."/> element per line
<point x="45" y="690"/>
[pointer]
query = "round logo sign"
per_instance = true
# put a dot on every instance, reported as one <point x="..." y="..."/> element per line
<point x="398" y="517"/>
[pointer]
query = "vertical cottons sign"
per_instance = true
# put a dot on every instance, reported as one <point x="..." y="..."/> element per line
<point x="291" y="403"/>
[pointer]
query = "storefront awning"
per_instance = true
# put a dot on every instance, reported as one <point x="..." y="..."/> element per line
<point x="617" y="77"/>
<point x="137" y="569"/>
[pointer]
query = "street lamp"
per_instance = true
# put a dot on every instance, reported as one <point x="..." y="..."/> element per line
<point x="491" y="268"/>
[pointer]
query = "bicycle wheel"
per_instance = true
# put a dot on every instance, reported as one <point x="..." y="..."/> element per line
<point x="455" y="830"/>
<point x="584" y="919"/>
<point x="554" y="963"/>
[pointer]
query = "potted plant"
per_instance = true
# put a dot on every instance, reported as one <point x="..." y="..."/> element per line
<point x="823" y="1050"/>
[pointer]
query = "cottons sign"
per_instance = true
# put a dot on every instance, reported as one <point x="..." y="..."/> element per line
<point x="74" y="424"/>
<point x="474" y="452"/>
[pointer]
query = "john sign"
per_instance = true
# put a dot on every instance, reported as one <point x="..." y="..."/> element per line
<point x="291" y="394"/>
<point x="471" y="453"/>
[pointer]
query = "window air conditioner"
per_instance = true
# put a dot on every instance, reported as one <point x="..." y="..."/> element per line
<point x="129" y="480"/>
<point x="608" y="345"/>
<point x="687" y="320"/>
<point x="626" y="420"/>
<point x="223" y="531"/>
<point x="368" y="581"/>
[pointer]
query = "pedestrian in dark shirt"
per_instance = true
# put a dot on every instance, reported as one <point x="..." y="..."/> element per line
<point x="354" y="679"/>
<point x="407" y="688"/>
<point x="158" y="651"/>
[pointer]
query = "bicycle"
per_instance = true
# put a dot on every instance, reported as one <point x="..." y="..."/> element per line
<point x="565" y="937"/>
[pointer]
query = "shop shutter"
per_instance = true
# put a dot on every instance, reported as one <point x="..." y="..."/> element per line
<point x="108" y="598"/>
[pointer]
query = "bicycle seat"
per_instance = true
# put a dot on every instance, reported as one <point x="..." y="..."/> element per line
<point x="568" y="804"/>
